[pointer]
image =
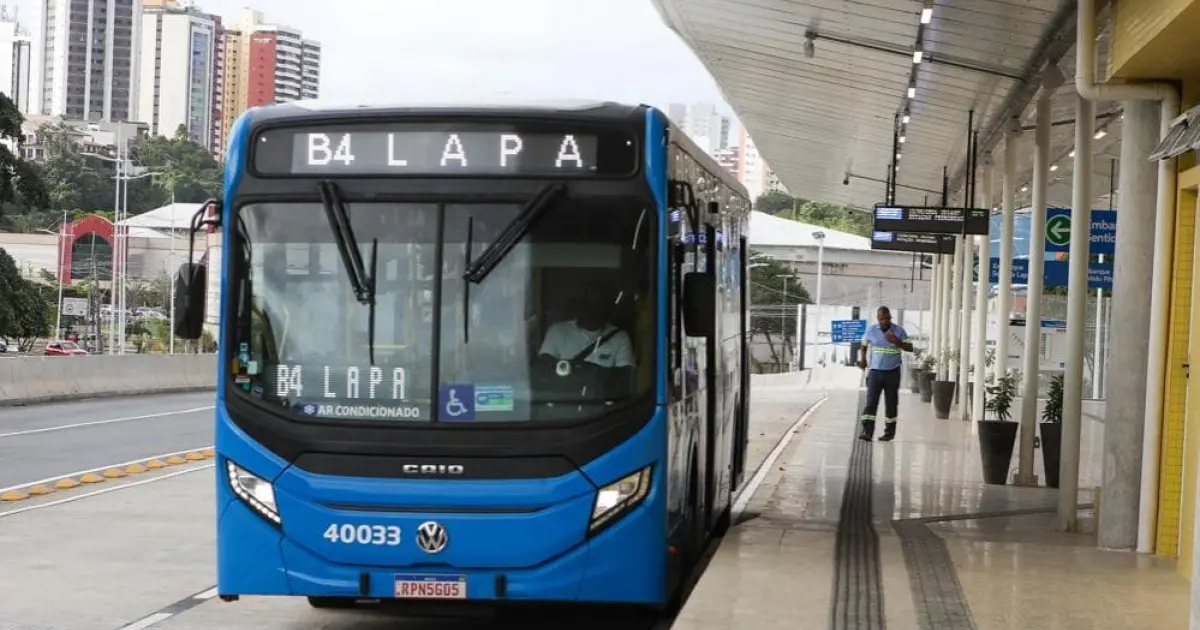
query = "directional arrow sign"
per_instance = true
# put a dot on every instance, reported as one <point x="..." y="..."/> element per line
<point x="1058" y="230"/>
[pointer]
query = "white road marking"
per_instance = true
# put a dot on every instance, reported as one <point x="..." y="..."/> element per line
<point x="79" y="497"/>
<point x="146" y="622"/>
<point x="77" y="473"/>
<point x="209" y="594"/>
<point x="77" y="425"/>
<point x="747" y="492"/>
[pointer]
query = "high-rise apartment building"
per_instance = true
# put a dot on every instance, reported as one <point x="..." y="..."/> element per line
<point x="16" y="50"/>
<point x="87" y="54"/>
<point x="702" y="124"/>
<point x="180" y="72"/>
<point x="266" y="63"/>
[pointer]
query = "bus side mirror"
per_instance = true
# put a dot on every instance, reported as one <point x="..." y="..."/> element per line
<point x="190" y="293"/>
<point x="699" y="304"/>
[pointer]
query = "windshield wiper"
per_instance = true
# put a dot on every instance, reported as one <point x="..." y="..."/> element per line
<point x="513" y="233"/>
<point x="362" y="282"/>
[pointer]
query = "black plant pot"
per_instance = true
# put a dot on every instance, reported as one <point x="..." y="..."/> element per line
<point x="927" y="379"/>
<point x="914" y="380"/>
<point x="943" y="398"/>
<point x="996" y="441"/>
<point x="1051" y="447"/>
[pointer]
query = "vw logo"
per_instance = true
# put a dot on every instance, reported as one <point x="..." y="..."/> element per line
<point x="432" y="537"/>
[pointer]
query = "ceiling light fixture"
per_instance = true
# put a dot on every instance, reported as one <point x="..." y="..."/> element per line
<point x="1072" y="153"/>
<point x="906" y="119"/>
<point x="917" y="55"/>
<point x="912" y="91"/>
<point x="1053" y="167"/>
<point x="903" y="139"/>
<point x="1100" y="134"/>
<point x="927" y="12"/>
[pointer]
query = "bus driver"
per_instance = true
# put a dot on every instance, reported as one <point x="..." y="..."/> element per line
<point x="587" y="337"/>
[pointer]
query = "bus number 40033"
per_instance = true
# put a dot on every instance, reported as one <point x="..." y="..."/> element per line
<point x="347" y="534"/>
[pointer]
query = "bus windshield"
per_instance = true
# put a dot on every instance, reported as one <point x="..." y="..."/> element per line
<point x="562" y="328"/>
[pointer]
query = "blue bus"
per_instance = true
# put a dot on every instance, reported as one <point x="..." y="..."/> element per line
<point x="485" y="354"/>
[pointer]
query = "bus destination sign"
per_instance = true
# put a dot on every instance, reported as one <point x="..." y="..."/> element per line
<point x="913" y="242"/>
<point x="932" y="220"/>
<point x="424" y="150"/>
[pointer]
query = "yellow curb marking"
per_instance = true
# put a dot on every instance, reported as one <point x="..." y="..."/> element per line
<point x="13" y="496"/>
<point x="91" y="478"/>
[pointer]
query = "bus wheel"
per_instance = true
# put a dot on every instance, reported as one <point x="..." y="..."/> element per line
<point x="332" y="602"/>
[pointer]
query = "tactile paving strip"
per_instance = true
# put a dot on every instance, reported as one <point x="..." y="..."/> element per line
<point x="857" y="602"/>
<point x="937" y="594"/>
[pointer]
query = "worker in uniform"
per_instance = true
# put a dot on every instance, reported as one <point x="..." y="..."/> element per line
<point x="882" y="350"/>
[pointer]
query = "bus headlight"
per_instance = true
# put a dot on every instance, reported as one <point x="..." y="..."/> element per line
<point x="619" y="497"/>
<point x="254" y="491"/>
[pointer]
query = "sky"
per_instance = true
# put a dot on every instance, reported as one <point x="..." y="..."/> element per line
<point x="398" y="50"/>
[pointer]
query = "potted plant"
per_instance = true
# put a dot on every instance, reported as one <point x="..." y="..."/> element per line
<point x="997" y="431"/>
<point x="927" y="366"/>
<point x="1051" y="429"/>
<point x="915" y="371"/>
<point x="943" y="391"/>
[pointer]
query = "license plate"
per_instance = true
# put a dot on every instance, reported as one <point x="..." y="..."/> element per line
<point x="431" y="587"/>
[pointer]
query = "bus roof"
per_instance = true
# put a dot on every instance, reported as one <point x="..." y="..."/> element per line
<point x="318" y="109"/>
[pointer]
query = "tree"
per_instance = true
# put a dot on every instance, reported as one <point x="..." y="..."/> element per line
<point x="829" y="215"/>
<point x="20" y="185"/>
<point x="33" y="314"/>
<point x="24" y="312"/>
<point x="73" y="180"/>
<point x="775" y="202"/>
<point x="185" y="169"/>
<point x="775" y="292"/>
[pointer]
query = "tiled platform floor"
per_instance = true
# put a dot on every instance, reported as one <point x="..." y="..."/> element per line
<point x="775" y="569"/>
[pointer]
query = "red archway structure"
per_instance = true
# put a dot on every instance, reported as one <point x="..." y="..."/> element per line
<point x="87" y="248"/>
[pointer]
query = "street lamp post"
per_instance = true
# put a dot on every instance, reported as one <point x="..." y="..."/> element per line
<point x="820" y="238"/>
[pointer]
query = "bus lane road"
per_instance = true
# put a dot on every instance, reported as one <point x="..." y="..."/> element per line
<point x="40" y="442"/>
<point x="142" y="554"/>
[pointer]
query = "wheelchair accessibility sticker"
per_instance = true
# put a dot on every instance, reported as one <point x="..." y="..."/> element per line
<point x="457" y="402"/>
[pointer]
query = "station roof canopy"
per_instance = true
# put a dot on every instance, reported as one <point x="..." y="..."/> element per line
<point x="823" y="87"/>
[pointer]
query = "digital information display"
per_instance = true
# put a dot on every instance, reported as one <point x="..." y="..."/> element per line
<point x="932" y="220"/>
<point x="913" y="242"/>
<point x="428" y="149"/>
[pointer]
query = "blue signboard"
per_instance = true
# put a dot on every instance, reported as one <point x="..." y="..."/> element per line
<point x="1100" y="275"/>
<point x="1103" y="232"/>
<point x="848" y="330"/>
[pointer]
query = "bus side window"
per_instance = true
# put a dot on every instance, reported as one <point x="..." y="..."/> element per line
<point x="676" y="341"/>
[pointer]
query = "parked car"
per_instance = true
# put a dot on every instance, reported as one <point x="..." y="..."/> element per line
<point x="63" y="349"/>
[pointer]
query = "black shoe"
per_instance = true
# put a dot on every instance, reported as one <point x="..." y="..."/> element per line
<point x="868" y="430"/>
<point x="889" y="432"/>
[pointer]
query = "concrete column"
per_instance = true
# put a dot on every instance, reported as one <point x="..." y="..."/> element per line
<point x="947" y="300"/>
<point x="1072" y="405"/>
<point x="981" y="303"/>
<point x="935" y="306"/>
<point x="1124" y="411"/>
<point x="1004" y="301"/>
<point x="964" y="324"/>
<point x="953" y="307"/>
<point x="1033" y="308"/>
<point x="1156" y="364"/>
